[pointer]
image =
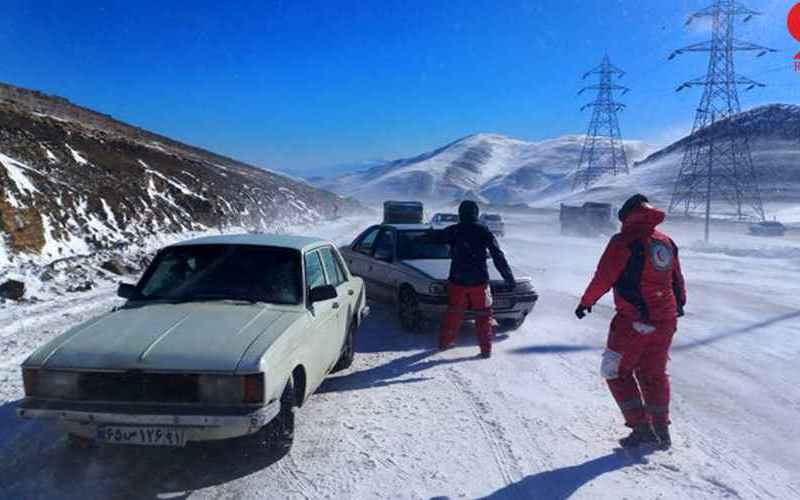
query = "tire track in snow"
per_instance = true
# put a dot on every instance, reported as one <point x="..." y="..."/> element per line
<point x="504" y="457"/>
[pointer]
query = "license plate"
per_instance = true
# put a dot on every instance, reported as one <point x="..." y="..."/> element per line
<point x="502" y="304"/>
<point x="142" y="435"/>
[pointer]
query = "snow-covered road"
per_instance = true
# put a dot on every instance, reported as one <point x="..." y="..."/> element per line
<point x="535" y="421"/>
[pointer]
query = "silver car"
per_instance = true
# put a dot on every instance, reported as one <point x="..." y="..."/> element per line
<point x="222" y="337"/>
<point x="401" y="267"/>
<point x="443" y="220"/>
<point x="495" y="224"/>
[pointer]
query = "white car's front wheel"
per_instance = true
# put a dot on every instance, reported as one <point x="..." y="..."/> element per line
<point x="278" y="435"/>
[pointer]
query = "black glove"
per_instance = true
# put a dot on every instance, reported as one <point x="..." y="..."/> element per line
<point x="582" y="310"/>
<point x="680" y="311"/>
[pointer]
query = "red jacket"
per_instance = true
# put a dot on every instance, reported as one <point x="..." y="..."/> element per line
<point x="642" y="266"/>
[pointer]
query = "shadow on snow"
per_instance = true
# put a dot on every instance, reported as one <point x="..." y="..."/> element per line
<point x="711" y="339"/>
<point x="562" y="483"/>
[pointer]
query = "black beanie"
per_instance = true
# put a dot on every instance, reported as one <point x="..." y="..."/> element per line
<point x="468" y="211"/>
<point x="632" y="203"/>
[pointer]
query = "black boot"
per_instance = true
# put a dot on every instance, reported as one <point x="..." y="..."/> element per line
<point x="642" y="434"/>
<point x="662" y="433"/>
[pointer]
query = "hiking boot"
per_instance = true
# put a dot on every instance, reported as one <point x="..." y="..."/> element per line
<point x="662" y="433"/>
<point x="486" y="354"/>
<point x="641" y="434"/>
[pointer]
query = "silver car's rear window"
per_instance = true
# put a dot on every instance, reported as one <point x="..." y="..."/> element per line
<point x="412" y="245"/>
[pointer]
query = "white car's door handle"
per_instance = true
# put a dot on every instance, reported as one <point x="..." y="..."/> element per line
<point x="335" y="305"/>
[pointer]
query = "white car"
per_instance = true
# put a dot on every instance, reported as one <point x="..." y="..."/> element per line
<point x="222" y="337"/>
<point x="400" y="267"/>
<point x="495" y="223"/>
<point x="441" y="220"/>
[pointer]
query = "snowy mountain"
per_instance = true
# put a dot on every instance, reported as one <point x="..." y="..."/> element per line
<point x="73" y="181"/>
<point x="773" y="132"/>
<point x="498" y="168"/>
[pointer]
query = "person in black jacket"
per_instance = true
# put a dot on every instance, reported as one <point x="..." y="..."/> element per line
<point x="469" y="276"/>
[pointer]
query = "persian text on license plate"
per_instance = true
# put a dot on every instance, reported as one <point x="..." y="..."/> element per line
<point x="142" y="435"/>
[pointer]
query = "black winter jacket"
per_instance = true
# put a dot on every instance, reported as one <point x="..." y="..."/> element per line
<point x="469" y="243"/>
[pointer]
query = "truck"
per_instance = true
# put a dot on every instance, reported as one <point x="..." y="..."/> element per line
<point x="589" y="219"/>
<point x="402" y="212"/>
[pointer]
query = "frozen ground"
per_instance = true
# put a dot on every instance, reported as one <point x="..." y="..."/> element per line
<point x="535" y="421"/>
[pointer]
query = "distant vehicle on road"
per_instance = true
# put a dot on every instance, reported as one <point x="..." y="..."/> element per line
<point x="222" y="337"/>
<point x="495" y="224"/>
<point x="590" y="219"/>
<point x="767" y="228"/>
<point x="442" y="220"/>
<point x="400" y="267"/>
<point x="403" y="212"/>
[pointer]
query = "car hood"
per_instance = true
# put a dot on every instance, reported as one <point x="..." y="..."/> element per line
<point x="439" y="269"/>
<point x="202" y="337"/>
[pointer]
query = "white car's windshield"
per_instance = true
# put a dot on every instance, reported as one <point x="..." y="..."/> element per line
<point x="224" y="272"/>
<point x="412" y="245"/>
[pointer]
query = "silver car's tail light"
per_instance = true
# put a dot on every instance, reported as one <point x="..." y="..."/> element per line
<point x="53" y="384"/>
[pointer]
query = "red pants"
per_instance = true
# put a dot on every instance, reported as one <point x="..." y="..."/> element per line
<point x="635" y="367"/>
<point x="475" y="298"/>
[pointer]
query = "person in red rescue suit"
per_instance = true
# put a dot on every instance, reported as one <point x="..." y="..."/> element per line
<point x="468" y="285"/>
<point x="641" y="264"/>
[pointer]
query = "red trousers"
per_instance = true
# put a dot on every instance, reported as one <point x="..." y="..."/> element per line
<point x="635" y="367"/>
<point x="475" y="298"/>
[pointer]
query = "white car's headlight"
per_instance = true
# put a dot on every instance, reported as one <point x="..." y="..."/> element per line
<point x="52" y="384"/>
<point x="227" y="389"/>
<point x="437" y="289"/>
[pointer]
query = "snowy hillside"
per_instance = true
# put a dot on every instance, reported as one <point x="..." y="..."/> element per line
<point x="774" y="136"/>
<point x="73" y="181"/>
<point x="501" y="169"/>
<point x="510" y="171"/>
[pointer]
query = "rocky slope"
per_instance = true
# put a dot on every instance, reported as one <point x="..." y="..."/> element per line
<point x="73" y="181"/>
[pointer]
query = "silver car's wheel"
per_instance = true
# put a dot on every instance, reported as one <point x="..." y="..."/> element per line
<point x="408" y="310"/>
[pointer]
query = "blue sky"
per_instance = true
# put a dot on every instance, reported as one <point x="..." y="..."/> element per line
<point x="299" y="85"/>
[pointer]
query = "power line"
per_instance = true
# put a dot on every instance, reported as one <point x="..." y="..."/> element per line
<point x="719" y="165"/>
<point x="603" y="151"/>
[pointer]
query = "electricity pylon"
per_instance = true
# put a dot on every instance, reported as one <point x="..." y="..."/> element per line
<point x="603" y="151"/>
<point x="719" y="165"/>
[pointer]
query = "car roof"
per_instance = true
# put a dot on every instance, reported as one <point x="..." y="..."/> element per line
<point x="408" y="227"/>
<point x="267" y="240"/>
